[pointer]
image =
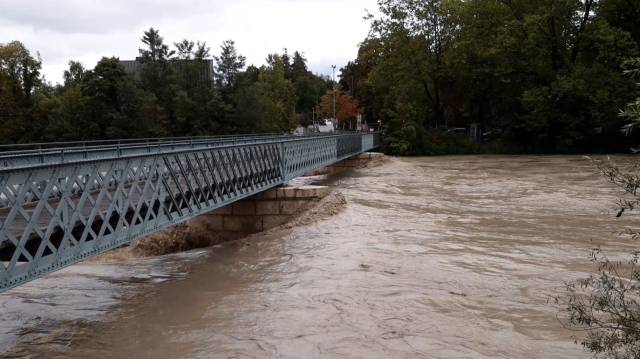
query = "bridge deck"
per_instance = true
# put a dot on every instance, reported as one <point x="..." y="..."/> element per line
<point x="61" y="206"/>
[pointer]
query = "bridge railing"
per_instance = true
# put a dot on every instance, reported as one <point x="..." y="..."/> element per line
<point x="38" y="146"/>
<point x="55" y="214"/>
<point x="25" y="155"/>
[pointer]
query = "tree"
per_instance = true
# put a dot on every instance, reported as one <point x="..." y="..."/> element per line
<point x="265" y="99"/>
<point x="21" y="69"/>
<point x="74" y="75"/>
<point x="157" y="76"/>
<point x="185" y="49"/>
<point x="607" y="305"/>
<point x="69" y="117"/>
<point x="113" y="102"/>
<point x="200" y="109"/>
<point x="19" y="84"/>
<point x="347" y="108"/>
<point x="309" y="90"/>
<point x="202" y="51"/>
<point x="632" y="112"/>
<point x="156" y="49"/>
<point x="417" y="35"/>
<point x="278" y="94"/>
<point x="538" y="76"/>
<point x="355" y="79"/>
<point x="622" y="14"/>
<point x="299" y="67"/>
<point x="228" y="65"/>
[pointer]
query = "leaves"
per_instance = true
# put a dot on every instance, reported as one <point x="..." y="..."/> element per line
<point x="162" y="93"/>
<point x="347" y="108"/>
<point x="228" y="65"/>
<point x="540" y="76"/>
<point x="606" y="305"/>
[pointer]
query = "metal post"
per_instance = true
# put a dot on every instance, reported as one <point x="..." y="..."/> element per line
<point x="282" y="164"/>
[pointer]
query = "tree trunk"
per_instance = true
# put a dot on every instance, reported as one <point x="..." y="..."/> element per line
<point x="583" y="24"/>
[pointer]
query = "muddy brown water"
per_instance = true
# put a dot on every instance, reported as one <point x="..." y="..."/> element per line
<point x="447" y="257"/>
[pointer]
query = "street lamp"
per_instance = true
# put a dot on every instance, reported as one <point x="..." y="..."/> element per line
<point x="335" y="120"/>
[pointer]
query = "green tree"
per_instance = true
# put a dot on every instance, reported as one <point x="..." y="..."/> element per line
<point x="156" y="49"/>
<point x="309" y="87"/>
<point x="279" y="95"/>
<point x="69" y="117"/>
<point x="19" y="85"/>
<point x="417" y="35"/>
<point x="539" y="76"/>
<point x="113" y="101"/>
<point x="202" y="51"/>
<point x="622" y="14"/>
<point x="355" y="78"/>
<point x="299" y="67"/>
<point x="265" y="100"/>
<point x="158" y="77"/>
<point x="74" y="75"/>
<point x="606" y="305"/>
<point x="184" y="49"/>
<point x="228" y="66"/>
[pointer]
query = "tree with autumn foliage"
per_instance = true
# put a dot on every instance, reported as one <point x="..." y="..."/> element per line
<point x="347" y="108"/>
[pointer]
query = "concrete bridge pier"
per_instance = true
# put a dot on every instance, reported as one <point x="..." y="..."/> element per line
<point x="265" y="210"/>
<point x="276" y="206"/>
<point x="261" y="212"/>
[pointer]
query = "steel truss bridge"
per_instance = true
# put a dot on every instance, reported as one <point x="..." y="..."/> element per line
<point x="61" y="203"/>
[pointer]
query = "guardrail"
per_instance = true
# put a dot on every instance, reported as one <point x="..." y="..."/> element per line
<point x="62" y="210"/>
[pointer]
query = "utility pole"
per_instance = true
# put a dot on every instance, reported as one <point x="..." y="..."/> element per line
<point x="335" y="120"/>
<point x="313" y="119"/>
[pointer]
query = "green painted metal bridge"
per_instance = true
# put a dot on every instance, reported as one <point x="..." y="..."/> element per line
<point x="61" y="203"/>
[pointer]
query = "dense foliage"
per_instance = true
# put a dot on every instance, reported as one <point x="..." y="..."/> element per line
<point x="530" y="75"/>
<point x="440" y="76"/>
<point x="171" y="94"/>
<point x="606" y="305"/>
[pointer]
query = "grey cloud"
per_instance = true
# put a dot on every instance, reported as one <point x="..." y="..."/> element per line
<point x="86" y="30"/>
<point x="79" y="16"/>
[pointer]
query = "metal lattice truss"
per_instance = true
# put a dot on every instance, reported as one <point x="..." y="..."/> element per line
<point x="52" y="216"/>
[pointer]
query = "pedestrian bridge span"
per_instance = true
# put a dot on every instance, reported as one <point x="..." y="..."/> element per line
<point x="65" y="202"/>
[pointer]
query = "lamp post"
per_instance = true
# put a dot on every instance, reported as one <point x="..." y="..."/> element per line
<point x="335" y="120"/>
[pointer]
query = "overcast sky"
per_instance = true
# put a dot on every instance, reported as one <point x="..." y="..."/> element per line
<point x="326" y="31"/>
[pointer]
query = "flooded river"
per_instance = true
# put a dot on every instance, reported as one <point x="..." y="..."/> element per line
<point x="447" y="257"/>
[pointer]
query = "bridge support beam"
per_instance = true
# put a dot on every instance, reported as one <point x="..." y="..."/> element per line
<point x="364" y="160"/>
<point x="265" y="210"/>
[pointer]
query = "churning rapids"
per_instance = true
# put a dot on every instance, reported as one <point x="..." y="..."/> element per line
<point x="447" y="257"/>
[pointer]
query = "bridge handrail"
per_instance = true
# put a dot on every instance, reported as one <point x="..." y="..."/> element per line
<point x="133" y="143"/>
<point x="123" y="144"/>
<point x="37" y="146"/>
<point x="158" y="148"/>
